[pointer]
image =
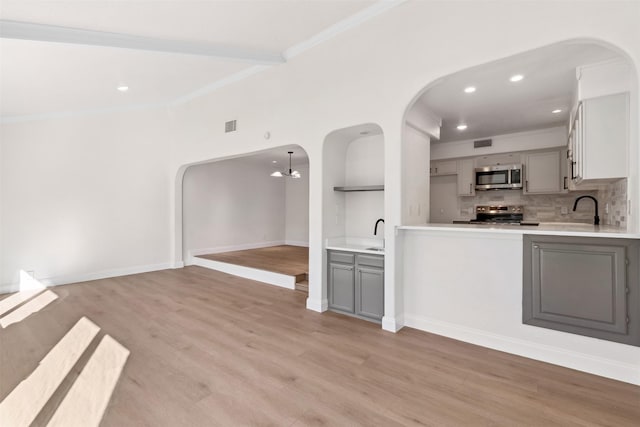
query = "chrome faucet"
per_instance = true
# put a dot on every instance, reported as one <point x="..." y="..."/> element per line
<point x="375" y="229"/>
<point x="596" y="218"/>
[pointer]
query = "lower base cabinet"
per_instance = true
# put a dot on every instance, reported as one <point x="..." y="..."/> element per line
<point x="356" y="284"/>
<point x="586" y="286"/>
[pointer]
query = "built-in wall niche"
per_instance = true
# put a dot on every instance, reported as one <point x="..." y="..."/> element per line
<point x="353" y="181"/>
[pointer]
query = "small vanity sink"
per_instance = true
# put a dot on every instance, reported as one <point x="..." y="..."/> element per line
<point x="375" y="249"/>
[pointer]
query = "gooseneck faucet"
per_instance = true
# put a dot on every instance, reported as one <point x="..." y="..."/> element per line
<point x="375" y="229"/>
<point x="596" y="218"/>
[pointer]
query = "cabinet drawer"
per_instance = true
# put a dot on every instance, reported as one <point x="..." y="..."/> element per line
<point x="371" y="260"/>
<point x="344" y="257"/>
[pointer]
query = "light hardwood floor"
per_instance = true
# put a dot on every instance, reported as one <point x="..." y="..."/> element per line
<point x="207" y="349"/>
<point x="284" y="259"/>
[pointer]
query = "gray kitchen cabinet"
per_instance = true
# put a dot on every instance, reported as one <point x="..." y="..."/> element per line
<point x="582" y="285"/>
<point x="356" y="284"/>
<point x="341" y="281"/>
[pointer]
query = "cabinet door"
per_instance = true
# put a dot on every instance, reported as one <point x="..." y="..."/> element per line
<point x="444" y="167"/>
<point x="341" y="287"/>
<point x="466" y="178"/>
<point x="605" y="134"/>
<point x="581" y="288"/>
<point x="370" y="292"/>
<point x="542" y="172"/>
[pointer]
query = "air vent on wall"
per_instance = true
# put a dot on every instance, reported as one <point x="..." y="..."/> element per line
<point x="230" y="126"/>
<point x="482" y="143"/>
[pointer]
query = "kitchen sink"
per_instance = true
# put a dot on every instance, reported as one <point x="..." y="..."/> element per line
<point x="375" y="249"/>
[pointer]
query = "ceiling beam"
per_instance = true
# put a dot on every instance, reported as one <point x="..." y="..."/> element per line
<point x="57" y="34"/>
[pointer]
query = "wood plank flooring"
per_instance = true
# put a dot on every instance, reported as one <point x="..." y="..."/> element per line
<point x="284" y="259"/>
<point x="211" y="349"/>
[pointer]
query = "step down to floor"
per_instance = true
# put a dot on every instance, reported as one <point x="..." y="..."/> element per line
<point x="302" y="282"/>
<point x="303" y="286"/>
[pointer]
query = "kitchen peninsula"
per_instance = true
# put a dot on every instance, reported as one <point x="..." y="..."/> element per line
<point x="467" y="284"/>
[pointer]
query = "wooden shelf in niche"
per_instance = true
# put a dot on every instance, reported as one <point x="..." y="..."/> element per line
<point x="360" y="188"/>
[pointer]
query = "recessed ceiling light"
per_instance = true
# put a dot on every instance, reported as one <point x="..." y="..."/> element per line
<point x="462" y="127"/>
<point x="557" y="111"/>
<point x="123" y="88"/>
<point x="469" y="89"/>
<point x="516" y="78"/>
<point x="274" y="161"/>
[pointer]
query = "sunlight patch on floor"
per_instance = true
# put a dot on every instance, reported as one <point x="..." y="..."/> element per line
<point x="24" y="403"/>
<point x="16" y="299"/>
<point x="85" y="403"/>
<point x="24" y="311"/>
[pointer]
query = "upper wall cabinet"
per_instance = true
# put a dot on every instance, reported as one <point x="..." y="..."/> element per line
<point x="598" y="139"/>
<point x="599" y="132"/>
<point x="466" y="178"/>
<point x="443" y="167"/>
<point x="542" y="173"/>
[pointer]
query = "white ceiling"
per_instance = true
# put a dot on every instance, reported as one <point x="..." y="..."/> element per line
<point x="499" y="106"/>
<point x="39" y="77"/>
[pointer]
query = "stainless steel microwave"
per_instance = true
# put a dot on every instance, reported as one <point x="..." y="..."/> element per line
<point x="499" y="177"/>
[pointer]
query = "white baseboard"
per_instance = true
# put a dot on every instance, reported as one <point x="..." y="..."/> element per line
<point x="269" y="277"/>
<point x="242" y="247"/>
<point x="545" y="353"/>
<point x="296" y="243"/>
<point x="317" y="305"/>
<point x="392" y="324"/>
<point x="85" y="277"/>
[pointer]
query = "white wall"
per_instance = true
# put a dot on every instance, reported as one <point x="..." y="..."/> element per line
<point x="297" y="208"/>
<point x="333" y="203"/>
<point x="85" y="198"/>
<point x="416" y="152"/>
<point x="364" y="165"/>
<point x="232" y="205"/>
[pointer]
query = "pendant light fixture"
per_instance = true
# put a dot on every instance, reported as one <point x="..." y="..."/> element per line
<point x="291" y="173"/>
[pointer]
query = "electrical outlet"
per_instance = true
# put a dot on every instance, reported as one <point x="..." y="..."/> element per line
<point x="564" y="210"/>
<point x="606" y="208"/>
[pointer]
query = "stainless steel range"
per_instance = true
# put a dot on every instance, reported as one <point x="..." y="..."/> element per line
<point x="498" y="214"/>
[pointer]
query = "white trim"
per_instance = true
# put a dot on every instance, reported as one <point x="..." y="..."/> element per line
<point x="268" y="277"/>
<point x="341" y="26"/>
<point x="296" y="243"/>
<point x="583" y="362"/>
<point x="204" y="251"/>
<point x="59" y="34"/>
<point x="317" y="305"/>
<point x="392" y="324"/>
<point x="76" y="278"/>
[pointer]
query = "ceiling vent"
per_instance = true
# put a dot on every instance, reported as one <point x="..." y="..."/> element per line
<point x="482" y="143"/>
<point x="230" y="126"/>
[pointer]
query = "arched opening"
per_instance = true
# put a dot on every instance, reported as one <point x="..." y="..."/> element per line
<point x="238" y="212"/>
<point x="353" y="207"/>
<point x="485" y="116"/>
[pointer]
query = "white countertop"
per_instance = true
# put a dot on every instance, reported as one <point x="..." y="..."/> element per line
<point x="553" y="228"/>
<point x="354" y="244"/>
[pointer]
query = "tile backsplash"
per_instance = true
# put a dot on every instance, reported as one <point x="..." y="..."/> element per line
<point x="552" y="207"/>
